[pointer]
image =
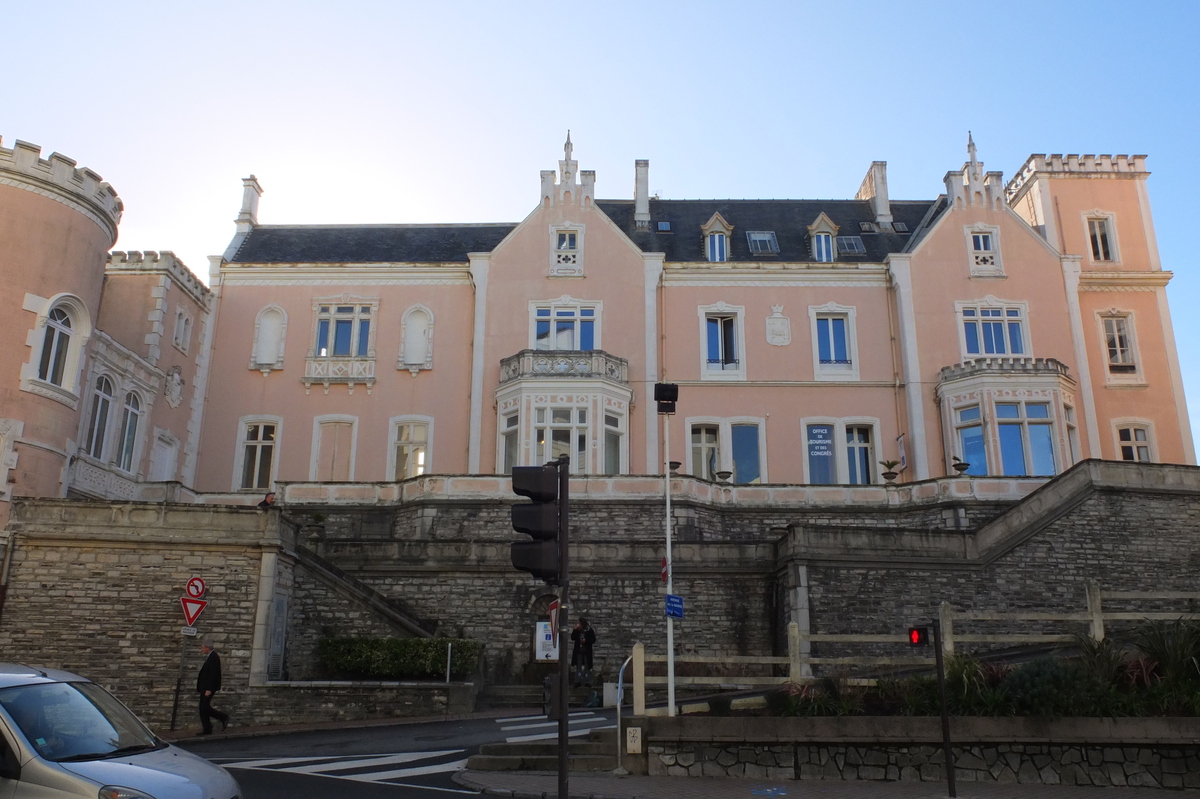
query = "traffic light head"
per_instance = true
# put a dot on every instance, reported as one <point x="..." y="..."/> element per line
<point x="538" y="519"/>
<point x="918" y="636"/>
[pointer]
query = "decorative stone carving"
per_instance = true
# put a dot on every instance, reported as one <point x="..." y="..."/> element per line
<point x="174" y="387"/>
<point x="779" y="328"/>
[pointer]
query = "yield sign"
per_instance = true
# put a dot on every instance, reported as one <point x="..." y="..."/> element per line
<point x="192" y="608"/>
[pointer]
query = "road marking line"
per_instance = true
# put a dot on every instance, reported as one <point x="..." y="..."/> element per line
<point x="516" y="739"/>
<point x="542" y="716"/>
<point x="590" y="717"/>
<point x="406" y="772"/>
<point x="336" y="763"/>
<point x="408" y="757"/>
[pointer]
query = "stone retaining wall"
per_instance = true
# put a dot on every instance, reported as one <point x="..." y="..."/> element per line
<point x="1140" y="766"/>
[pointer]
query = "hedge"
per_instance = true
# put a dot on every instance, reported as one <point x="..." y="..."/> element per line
<point x="397" y="658"/>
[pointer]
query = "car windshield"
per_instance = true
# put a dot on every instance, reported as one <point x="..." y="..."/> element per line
<point x="75" y="721"/>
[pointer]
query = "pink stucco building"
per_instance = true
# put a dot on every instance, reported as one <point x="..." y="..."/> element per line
<point x="1015" y="328"/>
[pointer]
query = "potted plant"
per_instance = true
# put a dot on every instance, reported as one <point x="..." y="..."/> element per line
<point x="889" y="470"/>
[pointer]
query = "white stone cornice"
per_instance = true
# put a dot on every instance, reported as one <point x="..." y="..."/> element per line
<point x="1124" y="281"/>
<point x="359" y="274"/>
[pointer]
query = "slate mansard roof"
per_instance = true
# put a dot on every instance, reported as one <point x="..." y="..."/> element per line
<point x="789" y="219"/>
<point x="359" y="244"/>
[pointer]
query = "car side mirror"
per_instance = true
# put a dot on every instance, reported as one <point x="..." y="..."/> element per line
<point x="10" y="767"/>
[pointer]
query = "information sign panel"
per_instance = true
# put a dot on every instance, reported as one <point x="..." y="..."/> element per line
<point x="675" y="606"/>
<point x="543" y="642"/>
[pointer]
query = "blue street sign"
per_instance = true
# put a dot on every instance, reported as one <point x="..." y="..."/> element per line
<point x="675" y="605"/>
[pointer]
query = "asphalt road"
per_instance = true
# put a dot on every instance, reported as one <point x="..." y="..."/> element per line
<point x="415" y="761"/>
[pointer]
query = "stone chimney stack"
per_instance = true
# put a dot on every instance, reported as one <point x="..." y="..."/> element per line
<point x="641" y="193"/>
<point x="874" y="188"/>
<point x="248" y="217"/>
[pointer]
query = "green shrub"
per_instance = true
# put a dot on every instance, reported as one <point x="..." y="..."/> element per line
<point x="397" y="658"/>
<point x="1173" y="645"/>
<point x="1048" y="687"/>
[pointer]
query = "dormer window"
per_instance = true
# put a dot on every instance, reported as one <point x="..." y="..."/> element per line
<point x="823" y="248"/>
<point x="716" y="232"/>
<point x="983" y="242"/>
<point x="762" y="242"/>
<point x="717" y="252"/>
<point x="851" y="245"/>
<point x="566" y="250"/>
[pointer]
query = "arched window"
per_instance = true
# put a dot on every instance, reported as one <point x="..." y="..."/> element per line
<point x="98" y="426"/>
<point x="416" y="351"/>
<point x="129" y="428"/>
<point x="269" y="331"/>
<point x="55" y="346"/>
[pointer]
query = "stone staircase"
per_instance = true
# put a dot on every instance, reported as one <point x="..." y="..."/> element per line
<point x="597" y="752"/>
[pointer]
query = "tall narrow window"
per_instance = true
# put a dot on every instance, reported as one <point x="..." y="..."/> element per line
<point x="335" y="451"/>
<point x="1098" y="235"/>
<point x="54" y="347"/>
<point x="126" y="444"/>
<point x="1026" y="438"/>
<point x="1072" y="433"/>
<point x="269" y="334"/>
<point x="412" y="440"/>
<point x="832" y="344"/>
<point x="1120" y="345"/>
<point x="722" y="343"/>
<point x="512" y="451"/>
<point x="822" y="465"/>
<point x="994" y="331"/>
<point x="1135" y="443"/>
<point x="257" y="455"/>
<point x="716" y="247"/>
<point x="562" y="431"/>
<point x="705" y="456"/>
<point x="747" y="465"/>
<point x="565" y="327"/>
<point x="612" y="444"/>
<point x="343" y="331"/>
<point x="823" y="248"/>
<point x="859" y="454"/>
<point x="970" y="440"/>
<point x="98" y="425"/>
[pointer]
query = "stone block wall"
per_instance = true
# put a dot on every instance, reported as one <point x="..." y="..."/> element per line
<point x="1162" y="766"/>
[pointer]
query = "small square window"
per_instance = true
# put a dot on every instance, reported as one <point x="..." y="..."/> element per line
<point x="900" y="227"/>
<point x="664" y="227"/>
<point x="762" y="241"/>
<point x="866" y="227"/>
<point x="850" y="245"/>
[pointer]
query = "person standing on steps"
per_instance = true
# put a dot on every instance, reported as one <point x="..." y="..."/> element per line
<point x="583" y="639"/>
<point x="208" y="682"/>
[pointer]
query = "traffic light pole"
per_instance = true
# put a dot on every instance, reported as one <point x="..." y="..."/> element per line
<point x="564" y="667"/>
<point x="670" y="571"/>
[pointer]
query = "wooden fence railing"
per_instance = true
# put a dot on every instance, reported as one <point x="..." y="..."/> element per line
<point x="799" y="661"/>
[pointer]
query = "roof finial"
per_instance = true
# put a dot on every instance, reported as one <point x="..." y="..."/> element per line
<point x="970" y="147"/>
<point x="567" y="146"/>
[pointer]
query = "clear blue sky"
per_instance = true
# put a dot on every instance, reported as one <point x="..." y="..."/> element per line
<point x="424" y="112"/>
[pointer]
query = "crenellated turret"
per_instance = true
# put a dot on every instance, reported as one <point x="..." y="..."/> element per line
<point x="63" y="180"/>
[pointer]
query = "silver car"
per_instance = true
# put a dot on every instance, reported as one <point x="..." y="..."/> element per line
<point x="64" y="736"/>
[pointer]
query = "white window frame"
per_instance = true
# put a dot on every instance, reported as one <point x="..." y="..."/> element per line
<point x="394" y="440"/>
<point x="834" y="372"/>
<point x="255" y="363"/>
<point x="567" y="263"/>
<point x="85" y="450"/>
<point x="314" y="452"/>
<point x="562" y="303"/>
<point x="70" y="391"/>
<point x="1134" y="378"/>
<point x="503" y="430"/>
<point x="984" y="263"/>
<point x="357" y="303"/>
<point x="992" y="303"/>
<point x="709" y="241"/>
<point x="182" y="336"/>
<point x="724" y="425"/>
<point x="139" y="435"/>
<point x="1132" y="422"/>
<point x="722" y="309"/>
<point x="622" y="432"/>
<point x="1110" y="220"/>
<point x="1025" y="421"/>
<point x="239" y="454"/>
<point x="816" y="249"/>
<point x="841" y="462"/>
<point x="768" y="239"/>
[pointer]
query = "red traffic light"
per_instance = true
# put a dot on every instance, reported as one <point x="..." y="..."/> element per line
<point x="918" y="636"/>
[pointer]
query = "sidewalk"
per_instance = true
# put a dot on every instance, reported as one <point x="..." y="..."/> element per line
<point x="544" y="785"/>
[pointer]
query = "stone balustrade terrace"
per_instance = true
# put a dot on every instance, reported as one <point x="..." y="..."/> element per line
<point x="1003" y="366"/>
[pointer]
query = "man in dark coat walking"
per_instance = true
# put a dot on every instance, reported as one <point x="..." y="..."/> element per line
<point x="583" y="638"/>
<point x="208" y="682"/>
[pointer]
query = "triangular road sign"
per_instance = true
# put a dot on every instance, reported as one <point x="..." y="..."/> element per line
<point x="192" y="608"/>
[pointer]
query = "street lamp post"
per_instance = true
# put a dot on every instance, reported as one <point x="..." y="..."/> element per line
<point x="666" y="395"/>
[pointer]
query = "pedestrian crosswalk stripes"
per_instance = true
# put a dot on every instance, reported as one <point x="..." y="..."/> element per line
<point x="361" y="768"/>
<point x="581" y="723"/>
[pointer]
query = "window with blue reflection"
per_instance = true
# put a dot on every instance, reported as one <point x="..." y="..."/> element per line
<point x="831" y="340"/>
<point x="343" y="329"/>
<point x="970" y="441"/>
<point x="747" y="465"/>
<point x="821" y="467"/>
<point x="1012" y="451"/>
<point x="565" y="328"/>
